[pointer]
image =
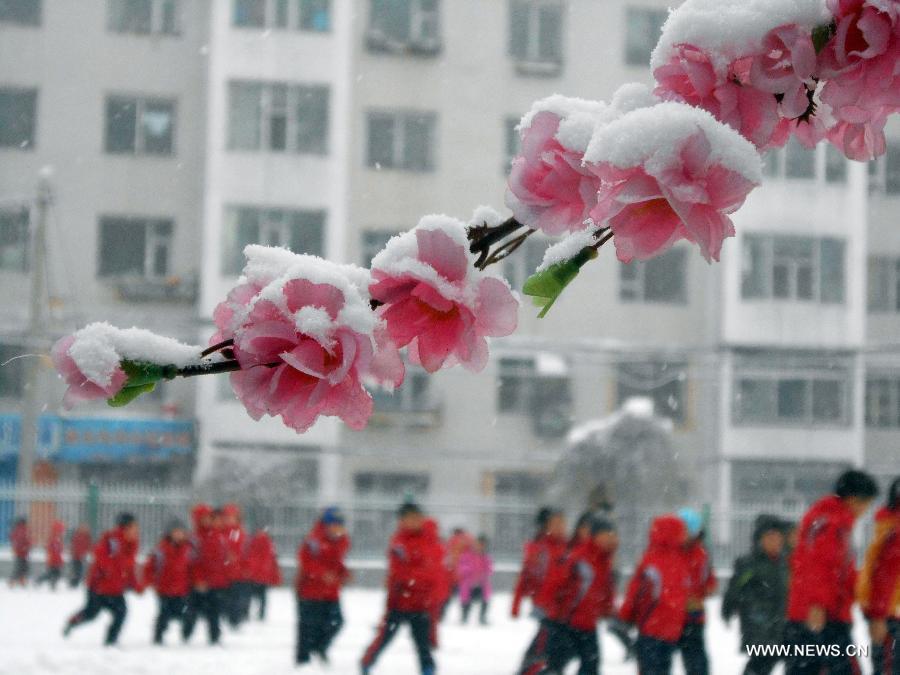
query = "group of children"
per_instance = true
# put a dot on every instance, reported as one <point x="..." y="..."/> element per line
<point x="79" y="548"/>
<point x="794" y="589"/>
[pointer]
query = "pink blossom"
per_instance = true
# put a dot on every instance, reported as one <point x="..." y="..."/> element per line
<point x="863" y="78"/>
<point x="300" y="354"/>
<point x="103" y="384"/>
<point x="549" y="189"/>
<point x="435" y="302"/>
<point x="685" y="194"/>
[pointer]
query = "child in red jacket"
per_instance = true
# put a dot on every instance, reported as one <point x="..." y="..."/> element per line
<point x="542" y="562"/>
<point x="20" y="539"/>
<point x="878" y="588"/>
<point x="79" y="547"/>
<point x="656" y="599"/>
<point x="168" y="570"/>
<point x="702" y="584"/>
<point x="111" y="574"/>
<point x="209" y="574"/>
<point x="414" y="569"/>
<point x="583" y="594"/>
<point x="321" y="573"/>
<point x="823" y="576"/>
<point x="55" y="547"/>
<point x="236" y="596"/>
<point x="260" y="569"/>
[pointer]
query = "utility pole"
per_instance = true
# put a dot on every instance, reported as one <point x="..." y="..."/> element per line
<point x="28" y="433"/>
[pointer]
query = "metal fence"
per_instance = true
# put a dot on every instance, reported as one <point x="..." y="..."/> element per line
<point x="370" y="521"/>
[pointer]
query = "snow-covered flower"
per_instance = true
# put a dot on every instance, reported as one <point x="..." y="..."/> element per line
<point x="667" y="173"/>
<point x="91" y="379"/>
<point x="860" y="63"/>
<point x="305" y="338"/>
<point x="434" y="300"/>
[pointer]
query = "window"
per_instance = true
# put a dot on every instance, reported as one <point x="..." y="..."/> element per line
<point x="662" y="279"/>
<point x="535" y="35"/>
<point x="278" y="117"/>
<point x="14" y="240"/>
<point x="140" y="126"/>
<point x="523" y="263"/>
<point x="134" y="246"/>
<point x="22" y="12"/>
<point x="513" y="142"/>
<point x="662" y="382"/>
<point x="799" y="162"/>
<point x="835" y="165"/>
<point x="798" y="391"/>
<point x="776" y="483"/>
<point x="796" y="161"/>
<point x="299" y="231"/>
<point x="793" y="268"/>
<point x="18" y="117"/>
<point x="884" y="284"/>
<point x="144" y="17"/>
<point x="373" y="241"/>
<point x="390" y="484"/>
<point x="12" y="373"/>
<point x="884" y="172"/>
<point x="883" y="400"/>
<point x="539" y="388"/>
<point x="315" y="15"/>
<point x="402" y="140"/>
<point x="306" y="15"/>
<point x="642" y="29"/>
<point x="404" y="26"/>
<point x="412" y="396"/>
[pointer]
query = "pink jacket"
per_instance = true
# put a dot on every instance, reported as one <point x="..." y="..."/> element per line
<point x="474" y="570"/>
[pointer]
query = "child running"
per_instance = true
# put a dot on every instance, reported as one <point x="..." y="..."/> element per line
<point x="79" y="547"/>
<point x="260" y="569"/>
<point x="168" y="570"/>
<point x="55" y="547"/>
<point x="692" y="643"/>
<point x="20" y="539"/>
<point x="475" y="567"/>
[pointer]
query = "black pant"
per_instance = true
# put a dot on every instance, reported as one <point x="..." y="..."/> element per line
<point x="258" y="592"/>
<point x="567" y="643"/>
<point x="692" y="646"/>
<point x="835" y="635"/>
<point x="535" y="657"/>
<point x="761" y="665"/>
<point x="51" y="575"/>
<point x="419" y="626"/>
<point x="170" y="607"/>
<point x="237" y="603"/>
<point x="76" y="570"/>
<point x="476" y="594"/>
<point x="318" y="622"/>
<point x="20" y="571"/>
<point x="208" y="604"/>
<point x="115" y="604"/>
<point x="654" y="656"/>
<point x="886" y="656"/>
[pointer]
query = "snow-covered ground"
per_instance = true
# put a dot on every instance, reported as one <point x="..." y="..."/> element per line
<point x="31" y="642"/>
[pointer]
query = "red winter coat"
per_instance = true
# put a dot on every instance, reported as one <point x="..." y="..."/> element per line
<point x="656" y="599"/>
<point x="112" y="572"/>
<point x="56" y="545"/>
<point x="414" y="570"/>
<point x="320" y="565"/>
<point x="20" y="540"/>
<point x="80" y="545"/>
<point x="168" y="568"/>
<point x="209" y="567"/>
<point x="261" y="561"/>
<point x="702" y="579"/>
<point x="584" y="590"/>
<point x="445" y="578"/>
<point x="878" y="588"/>
<point x="542" y="556"/>
<point x="236" y="540"/>
<point x="823" y="569"/>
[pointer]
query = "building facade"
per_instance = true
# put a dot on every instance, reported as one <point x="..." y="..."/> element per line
<point x="329" y="125"/>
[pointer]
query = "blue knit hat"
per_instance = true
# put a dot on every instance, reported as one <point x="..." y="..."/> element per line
<point x="332" y="516"/>
<point x="692" y="520"/>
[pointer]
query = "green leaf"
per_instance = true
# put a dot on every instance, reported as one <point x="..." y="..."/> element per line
<point x="129" y="393"/>
<point x="822" y="34"/>
<point x="546" y="286"/>
<point x="142" y="379"/>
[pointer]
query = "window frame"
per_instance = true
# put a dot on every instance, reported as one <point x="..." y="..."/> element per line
<point x="399" y="120"/>
<point x="417" y="40"/>
<point x="139" y="141"/>
<point x="771" y="259"/>
<point x="16" y="217"/>
<point x="875" y="417"/>
<point x="680" y="415"/>
<point x="529" y="60"/>
<point x="34" y="20"/>
<point x="630" y="57"/>
<point x="157" y="26"/>
<point x="32" y="125"/>
<point x="638" y="284"/>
